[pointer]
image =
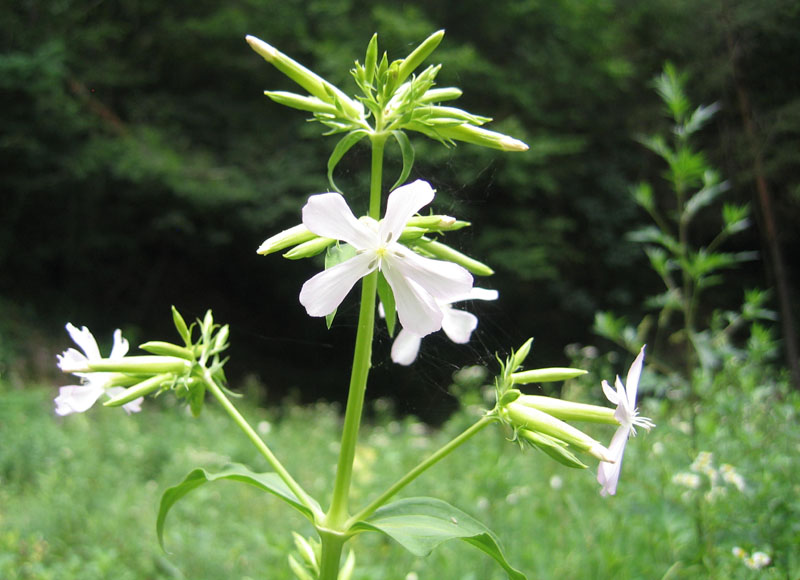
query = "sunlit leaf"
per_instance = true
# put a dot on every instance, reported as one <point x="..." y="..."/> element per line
<point x="421" y="524"/>
<point x="268" y="482"/>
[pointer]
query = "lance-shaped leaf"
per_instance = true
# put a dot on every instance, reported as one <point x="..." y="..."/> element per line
<point x="268" y="482"/>
<point x="343" y="146"/>
<point x="407" y="151"/>
<point x="420" y="524"/>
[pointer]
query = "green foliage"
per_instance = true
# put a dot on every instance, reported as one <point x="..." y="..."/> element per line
<point x="420" y="524"/>
<point x="50" y="469"/>
<point x="687" y="268"/>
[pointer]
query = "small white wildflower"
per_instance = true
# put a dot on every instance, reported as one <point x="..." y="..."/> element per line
<point x="690" y="480"/>
<point x="625" y="399"/>
<point x="760" y="560"/>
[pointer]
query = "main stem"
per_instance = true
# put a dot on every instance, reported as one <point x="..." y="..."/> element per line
<point x="337" y="516"/>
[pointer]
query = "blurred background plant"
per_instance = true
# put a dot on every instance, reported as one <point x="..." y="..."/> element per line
<point x="142" y="165"/>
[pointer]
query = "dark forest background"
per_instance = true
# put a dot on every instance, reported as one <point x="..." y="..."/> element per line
<point x="141" y="166"/>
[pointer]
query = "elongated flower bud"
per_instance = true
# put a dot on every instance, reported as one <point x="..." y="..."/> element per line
<point x="291" y="237"/>
<point x="534" y="420"/>
<point x="295" y="101"/>
<point x="168" y="349"/>
<point x="139" y="365"/>
<point x="418" y="55"/>
<point x="139" y="390"/>
<point x="481" y="136"/>
<point x="547" y="375"/>
<point x="309" y="248"/>
<point x="569" y="411"/>
<point x="441" y="94"/>
<point x="307" y="79"/>
<point x="444" y="252"/>
<point x="555" y="448"/>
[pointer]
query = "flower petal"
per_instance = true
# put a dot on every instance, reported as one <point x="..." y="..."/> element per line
<point x="632" y="381"/>
<point x="323" y="293"/>
<point x="403" y="203"/>
<point x="442" y="280"/>
<point x="84" y="339"/>
<point x="608" y="473"/>
<point x="120" y="348"/>
<point x="416" y="308"/>
<point x="405" y="347"/>
<point x="71" y="361"/>
<point x="329" y="216"/>
<point x="458" y="325"/>
<point x="76" y="399"/>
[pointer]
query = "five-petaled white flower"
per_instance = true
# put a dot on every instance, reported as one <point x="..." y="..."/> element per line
<point x="627" y="415"/>
<point x="417" y="282"/>
<point x="79" y="398"/>
<point x="457" y="325"/>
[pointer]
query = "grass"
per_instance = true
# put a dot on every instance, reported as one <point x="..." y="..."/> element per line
<point x="78" y="495"/>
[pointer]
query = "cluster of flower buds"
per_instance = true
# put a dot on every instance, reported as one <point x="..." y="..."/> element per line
<point x="393" y="100"/>
<point x="125" y="380"/>
<point x="542" y="421"/>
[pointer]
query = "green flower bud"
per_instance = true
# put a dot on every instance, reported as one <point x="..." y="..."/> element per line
<point x="442" y="251"/>
<point x="481" y="136"/>
<point x="525" y="417"/>
<point x="140" y="365"/>
<point x="569" y="411"/>
<point x="411" y="234"/>
<point x="436" y="222"/>
<point x="291" y="237"/>
<point x="310" y="81"/>
<point x="439" y="95"/>
<point x="521" y="354"/>
<point x="418" y="55"/>
<point x="180" y="326"/>
<point x="140" y="390"/>
<point x="167" y="349"/>
<point x="295" y="101"/>
<point x="548" y="375"/>
<point x="310" y="248"/>
<point x="555" y="448"/>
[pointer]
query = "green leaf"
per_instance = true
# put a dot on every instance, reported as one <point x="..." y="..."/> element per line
<point x="343" y="146"/>
<point x="407" y="151"/>
<point x="389" y="307"/>
<point x="420" y="524"/>
<point x="268" y="482"/>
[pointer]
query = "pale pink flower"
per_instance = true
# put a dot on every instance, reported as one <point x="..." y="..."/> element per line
<point x="458" y="325"/>
<point x="79" y="398"/>
<point x="417" y="282"/>
<point x="625" y="399"/>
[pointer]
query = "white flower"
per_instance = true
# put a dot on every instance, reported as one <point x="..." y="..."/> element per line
<point x="79" y="398"/>
<point x="457" y="325"/>
<point x="627" y="415"/>
<point x="417" y="282"/>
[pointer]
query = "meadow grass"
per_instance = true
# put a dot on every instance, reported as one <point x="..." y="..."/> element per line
<point x="79" y="494"/>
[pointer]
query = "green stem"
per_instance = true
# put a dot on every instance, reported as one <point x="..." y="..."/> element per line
<point x="262" y="447"/>
<point x="332" y="544"/>
<point x="362" y="360"/>
<point x="429" y="462"/>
